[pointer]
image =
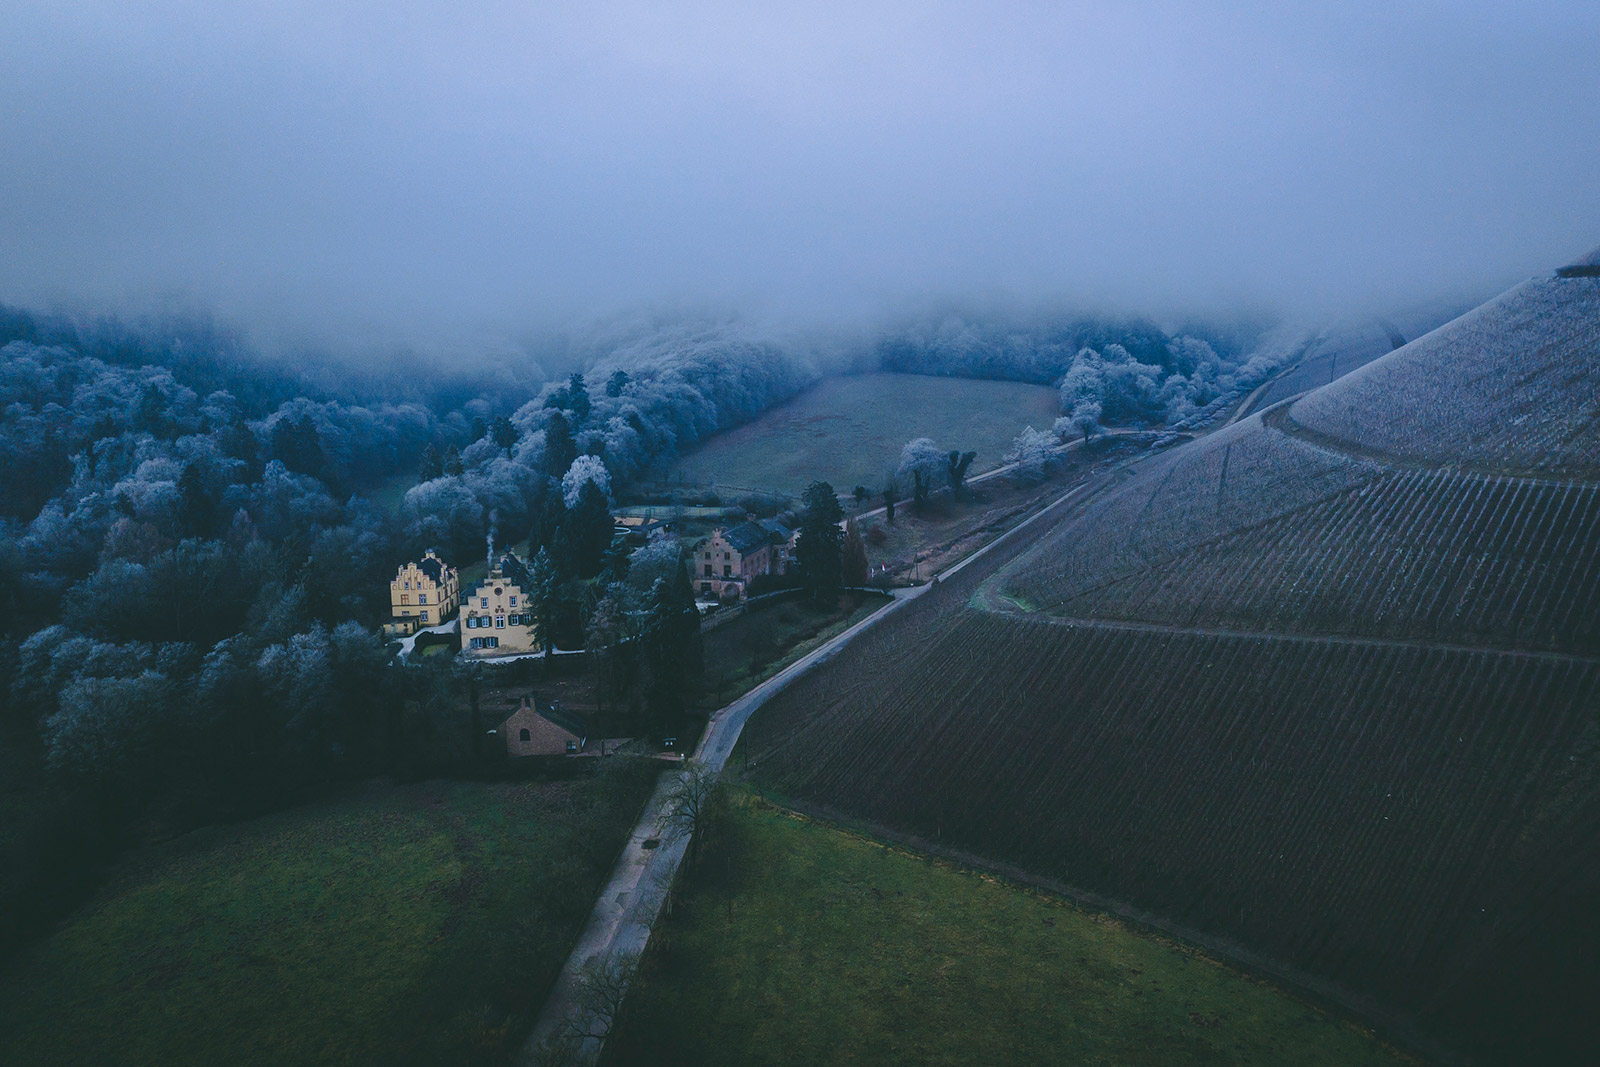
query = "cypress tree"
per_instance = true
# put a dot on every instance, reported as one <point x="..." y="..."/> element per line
<point x="429" y="465"/>
<point x="559" y="448"/>
<point x="819" y="547"/>
<point x="673" y="654"/>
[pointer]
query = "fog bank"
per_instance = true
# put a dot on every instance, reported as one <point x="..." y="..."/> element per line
<point x="365" y="174"/>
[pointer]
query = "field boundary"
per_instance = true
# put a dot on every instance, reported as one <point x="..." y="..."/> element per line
<point x="985" y="602"/>
<point x="1279" y="418"/>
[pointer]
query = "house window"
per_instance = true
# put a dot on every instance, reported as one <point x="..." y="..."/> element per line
<point x="499" y="622"/>
<point x="525" y="736"/>
<point x="572" y="746"/>
<point x="708" y="570"/>
<point x="424" y="616"/>
<point x="726" y="556"/>
<point x="404" y="599"/>
<point x="422" y="598"/>
<point x="484" y="603"/>
<point x="513" y="601"/>
<point x="708" y="555"/>
<point x="727" y="570"/>
<point x="492" y="642"/>
<point x="705" y="587"/>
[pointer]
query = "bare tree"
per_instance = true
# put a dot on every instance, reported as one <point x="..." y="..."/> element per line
<point x="564" y="1048"/>
<point x="689" y="804"/>
<point x="602" y="987"/>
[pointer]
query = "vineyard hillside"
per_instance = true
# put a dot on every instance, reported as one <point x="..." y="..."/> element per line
<point x="1512" y="387"/>
<point x="1322" y="694"/>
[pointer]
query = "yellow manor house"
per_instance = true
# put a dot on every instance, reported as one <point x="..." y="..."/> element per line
<point x="421" y="595"/>
<point x="497" y="618"/>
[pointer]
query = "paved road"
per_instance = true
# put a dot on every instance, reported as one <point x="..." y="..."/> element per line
<point x="619" y="926"/>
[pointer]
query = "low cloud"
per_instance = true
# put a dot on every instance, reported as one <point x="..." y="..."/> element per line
<point x="359" y="174"/>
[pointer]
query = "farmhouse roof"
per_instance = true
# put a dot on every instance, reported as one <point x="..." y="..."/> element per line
<point x="548" y="727"/>
<point x="777" y="529"/>
<point x="747" y="537"/>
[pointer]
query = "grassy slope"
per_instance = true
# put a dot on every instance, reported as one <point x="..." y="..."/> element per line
<point x="798" y="943"/>
<point x="849" y="431"/>
<point x="418" y="924"/>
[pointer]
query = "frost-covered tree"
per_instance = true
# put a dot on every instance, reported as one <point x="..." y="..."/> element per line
<point x="656" y="560"/>
<point x="1030" y="451"/>
<point x="583" y="471"/>
<point x="921" y="464"/>
<point x="108" y="729"/>
<point x="1085" y="417"/>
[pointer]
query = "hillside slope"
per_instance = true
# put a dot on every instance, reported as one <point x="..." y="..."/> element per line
<point x="1322" y="687"/>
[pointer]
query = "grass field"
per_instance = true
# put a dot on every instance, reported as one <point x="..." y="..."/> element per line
<point x="420" y="924"/>
<point x="849" y="431"/>
<point x="795" y="942"/>
<point x="742" y="654"/>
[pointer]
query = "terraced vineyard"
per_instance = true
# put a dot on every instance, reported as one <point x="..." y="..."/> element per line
<point x="1331" y="708"/>
<point x="1411" y="555"/>
<point x="1512" y="387"/>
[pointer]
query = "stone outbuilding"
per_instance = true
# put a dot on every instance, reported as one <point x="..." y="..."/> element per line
<point x="539" y="729"/>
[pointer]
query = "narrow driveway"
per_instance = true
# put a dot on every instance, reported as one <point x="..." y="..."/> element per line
<point x="409" y="644"/>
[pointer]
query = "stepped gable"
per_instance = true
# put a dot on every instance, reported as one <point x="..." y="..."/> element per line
<point x="1512" y="387"/>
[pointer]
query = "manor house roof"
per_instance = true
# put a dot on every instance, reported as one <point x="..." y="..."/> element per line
<point x="512" y="570"/>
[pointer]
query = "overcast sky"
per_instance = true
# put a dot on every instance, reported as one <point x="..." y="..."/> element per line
<point x="486" y="167"/>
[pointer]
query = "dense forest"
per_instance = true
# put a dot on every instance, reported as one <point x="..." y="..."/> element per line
<point x="196" y="539"/>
